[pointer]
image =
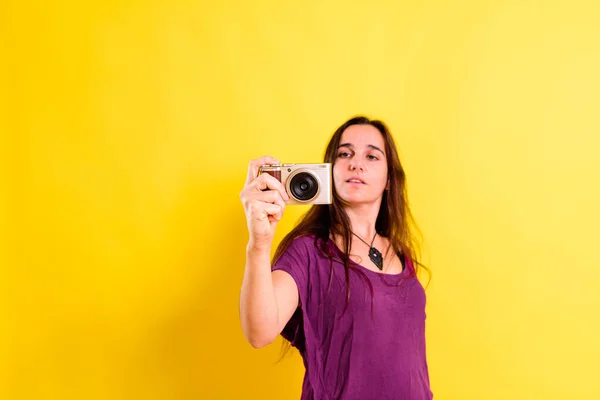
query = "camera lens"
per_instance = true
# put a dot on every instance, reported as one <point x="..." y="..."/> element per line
<point x="304" y="186"/>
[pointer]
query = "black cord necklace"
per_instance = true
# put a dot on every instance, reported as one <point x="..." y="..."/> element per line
<point x="374" y="254"/>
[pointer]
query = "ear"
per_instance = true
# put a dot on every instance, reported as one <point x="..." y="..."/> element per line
<point x="387" y="185"/>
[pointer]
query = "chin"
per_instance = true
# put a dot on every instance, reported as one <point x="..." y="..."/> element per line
<point x="357" y="200"/>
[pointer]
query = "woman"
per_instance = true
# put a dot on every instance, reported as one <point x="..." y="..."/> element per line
<point x="342" y="288"/>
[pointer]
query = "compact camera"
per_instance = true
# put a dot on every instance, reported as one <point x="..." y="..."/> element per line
<point x="304" y="183"/>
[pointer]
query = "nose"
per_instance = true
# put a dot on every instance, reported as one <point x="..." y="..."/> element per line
<point x="356" y="165"/>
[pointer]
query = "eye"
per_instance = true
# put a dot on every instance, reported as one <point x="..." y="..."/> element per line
<point x="372" y="157"/>
<point x="344" y="154"/>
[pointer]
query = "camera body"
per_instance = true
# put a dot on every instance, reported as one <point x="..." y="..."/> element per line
<point x="304" y="183"/>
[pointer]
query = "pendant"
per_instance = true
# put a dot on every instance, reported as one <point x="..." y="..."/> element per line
<point x="375" y="256"/>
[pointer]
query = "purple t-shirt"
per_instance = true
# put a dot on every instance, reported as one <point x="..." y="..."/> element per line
<point x="374" y="350"/>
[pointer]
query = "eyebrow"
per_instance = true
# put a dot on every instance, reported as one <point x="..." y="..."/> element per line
<point x="351" y="146"/>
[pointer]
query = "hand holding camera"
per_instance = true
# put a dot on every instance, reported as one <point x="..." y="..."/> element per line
<point x="271" y="185"/>
<point x="264" y="199"/>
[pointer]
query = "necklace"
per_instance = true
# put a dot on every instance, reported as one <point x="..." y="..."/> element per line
<point x="374" y="254"/>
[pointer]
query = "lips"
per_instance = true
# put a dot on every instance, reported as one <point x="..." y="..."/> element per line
<point x="355" y="179"/>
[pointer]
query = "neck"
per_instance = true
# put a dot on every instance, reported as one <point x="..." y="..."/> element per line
<point x="362" y="220"/>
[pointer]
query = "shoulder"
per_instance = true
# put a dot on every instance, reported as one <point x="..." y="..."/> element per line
<point x="409" y="264"/>
<point x="307" y="247"/>
<point x="298" y="259"/>
<point x="305" y="243"/>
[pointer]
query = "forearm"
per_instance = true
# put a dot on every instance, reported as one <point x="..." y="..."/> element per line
<point x="258" y="302"/>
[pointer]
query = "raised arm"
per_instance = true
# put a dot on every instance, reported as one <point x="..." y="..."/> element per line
<point x="267" y="299"/>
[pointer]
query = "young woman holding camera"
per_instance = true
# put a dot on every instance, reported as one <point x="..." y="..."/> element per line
<point x="342" y="287"/>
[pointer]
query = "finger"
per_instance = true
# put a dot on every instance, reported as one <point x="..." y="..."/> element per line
<point x="272" y="210"/>
<point x="256" y="164"/>
<point x="279" y="202"/>
<point x="267" y="196"/>
<point x="268" y="182"/>
<point x="263" y="189"/>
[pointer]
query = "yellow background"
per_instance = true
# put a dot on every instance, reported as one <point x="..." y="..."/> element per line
<point x="126" y="128"/>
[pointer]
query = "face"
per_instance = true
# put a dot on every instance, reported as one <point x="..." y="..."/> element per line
<point x="360" y="171"/>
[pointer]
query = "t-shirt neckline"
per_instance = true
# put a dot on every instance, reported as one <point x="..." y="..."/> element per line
<point x="341" y="254"/>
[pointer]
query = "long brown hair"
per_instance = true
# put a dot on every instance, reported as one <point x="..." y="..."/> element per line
<point x="394" y="220"/>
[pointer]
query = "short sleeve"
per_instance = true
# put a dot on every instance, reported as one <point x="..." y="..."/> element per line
<point x="296" y="261"/>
